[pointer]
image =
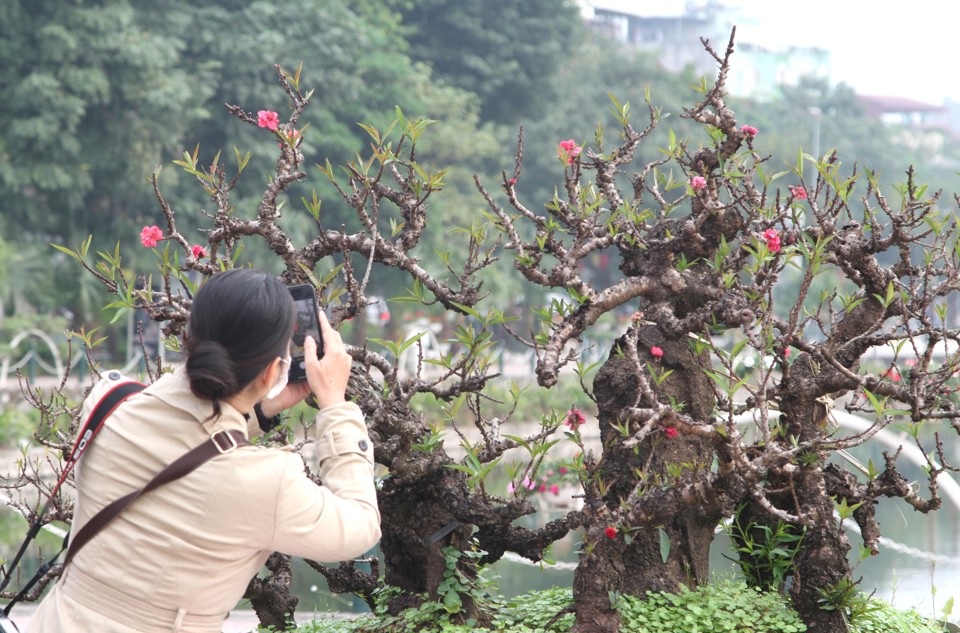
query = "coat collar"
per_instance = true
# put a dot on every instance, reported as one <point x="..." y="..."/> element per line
<point x="173" y="389"/>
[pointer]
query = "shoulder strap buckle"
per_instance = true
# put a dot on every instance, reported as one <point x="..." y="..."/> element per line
<point x="223" y="441"/>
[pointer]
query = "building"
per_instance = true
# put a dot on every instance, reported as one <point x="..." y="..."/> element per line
<point x="673" y="28"/>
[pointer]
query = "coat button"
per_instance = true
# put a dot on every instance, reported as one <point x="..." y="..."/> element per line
<point x="363" y="445"/>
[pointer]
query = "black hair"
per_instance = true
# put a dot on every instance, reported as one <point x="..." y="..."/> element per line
<point x="241" y="320"/>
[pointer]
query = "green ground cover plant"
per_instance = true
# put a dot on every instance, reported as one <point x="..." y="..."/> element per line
<point x="726" y="605"/>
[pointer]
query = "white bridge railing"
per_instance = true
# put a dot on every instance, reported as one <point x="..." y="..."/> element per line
<point x="34" y="355"/>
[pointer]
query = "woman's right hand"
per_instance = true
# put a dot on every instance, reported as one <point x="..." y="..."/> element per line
<point x="327" y="376"/>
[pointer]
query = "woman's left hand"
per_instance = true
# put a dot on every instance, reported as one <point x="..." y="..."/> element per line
<point x="293" y="393"/>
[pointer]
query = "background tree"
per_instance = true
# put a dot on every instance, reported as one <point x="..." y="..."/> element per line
<point x="507" y="53"/>
<point x="116" y="97"/>
<point x="132" y="86"/>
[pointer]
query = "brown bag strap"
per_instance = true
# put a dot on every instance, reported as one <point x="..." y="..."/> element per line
<point x="220" y="442"/>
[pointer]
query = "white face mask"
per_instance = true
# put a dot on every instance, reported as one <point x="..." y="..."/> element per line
<point x="281" y="382"/>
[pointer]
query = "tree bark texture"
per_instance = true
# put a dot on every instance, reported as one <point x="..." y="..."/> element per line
<point x="412" y="515"/>
<point x="613" y="565"/>
<point x="271" y="596"/>
<point x="822" y="561"/>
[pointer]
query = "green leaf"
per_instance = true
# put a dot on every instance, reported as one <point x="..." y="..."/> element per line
<point x="467" y="310"/>
<point x="664" y="544"/>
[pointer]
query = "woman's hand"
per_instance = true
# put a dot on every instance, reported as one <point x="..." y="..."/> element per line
<point x="327" y="376"/>
<point x="294" y="393"/>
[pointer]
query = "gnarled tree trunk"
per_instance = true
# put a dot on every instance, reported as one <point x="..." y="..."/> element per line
<point x="613" y="564"/>
<point x="271" y="597"/>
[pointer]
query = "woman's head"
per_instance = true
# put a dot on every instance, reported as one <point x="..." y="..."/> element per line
<point x="240" y="322"/>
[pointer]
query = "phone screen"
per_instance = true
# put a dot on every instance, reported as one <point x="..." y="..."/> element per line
<point x="305" y="324"/>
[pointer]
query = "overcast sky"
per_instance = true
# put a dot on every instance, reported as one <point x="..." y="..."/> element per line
<point x="880" y="47"/>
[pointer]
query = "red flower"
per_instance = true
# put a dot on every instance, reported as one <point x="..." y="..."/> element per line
<point x="611" y="532"/>
<point x="150" y="235"/>
<point x="656" y="352"/>
<point x="198" y="251"/>
<point x="798" y="192"/>
<point x="268" y="119"/>
<point x="575" y="418"/>
<point x="670" y="432"/>
<point x="749" y="130"/>
<point x="773" y="240"/>
<point x="568" y="150"/>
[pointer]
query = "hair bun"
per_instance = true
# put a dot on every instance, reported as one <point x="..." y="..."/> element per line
<point x="210" y="370"/>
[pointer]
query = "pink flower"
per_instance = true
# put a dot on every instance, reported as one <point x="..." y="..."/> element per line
<point x="656" y="352"/>
<point x="543" y="488"/>
<point x="698" y="183"/>
<point x="563" y="470"/>
<point x="893" y="374"/>
<point x="749" y="130"/>
<point x="528" y="483"/>
<point x="798" y="192"/>
<point x="511" y="488"/>
<point x="198" y="251"/>
<point x="773" y="240"/>
<point x="555" y="489"/>
<point x="670" y="432"/>
<point x="291" y="138"/>
<point x="149" y="236"/>
<point x="568" y="150"/>
<point x="574" y="419"/>
<point x="268" y="119"/>
<point x="611" y="532"/>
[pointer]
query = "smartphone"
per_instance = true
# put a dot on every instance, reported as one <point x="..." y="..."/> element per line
<point x="307" y="323"/>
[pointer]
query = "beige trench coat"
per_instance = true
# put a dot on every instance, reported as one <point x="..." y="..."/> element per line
<point x="179" y="558"/>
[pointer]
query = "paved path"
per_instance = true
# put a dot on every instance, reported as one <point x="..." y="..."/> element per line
<point x="238" y="622"/>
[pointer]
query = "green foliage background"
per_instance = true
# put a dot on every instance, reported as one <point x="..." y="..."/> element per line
<point x="98" y="95"/>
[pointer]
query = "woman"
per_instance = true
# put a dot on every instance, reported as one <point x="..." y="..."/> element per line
<point x="179" y="558"/>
